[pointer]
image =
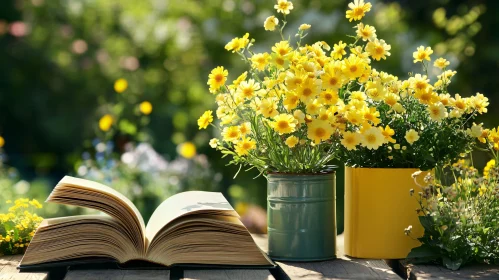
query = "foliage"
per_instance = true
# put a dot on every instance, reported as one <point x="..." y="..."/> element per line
<point x="461" y="219"/>
<point x="18" y="226"/>
<point x="144" y="176"/>
<point x="291" y="109"/>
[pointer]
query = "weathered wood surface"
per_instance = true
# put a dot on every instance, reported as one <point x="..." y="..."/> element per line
<point x="8" y="270"/>
<point x="342" y="268"/>
<point x="112" y="274"/>
<point x="428" y="271"/>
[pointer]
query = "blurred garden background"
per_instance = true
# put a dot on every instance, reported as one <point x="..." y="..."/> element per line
<point x="110" y="90"/>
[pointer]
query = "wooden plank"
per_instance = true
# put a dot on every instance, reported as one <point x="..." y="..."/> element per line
<point x="341" y="268"/>
<point x="429" y="271"/>
<point x="9" y="271"/>
<point x="116" y="274"/>
<point x="228" y="274"/>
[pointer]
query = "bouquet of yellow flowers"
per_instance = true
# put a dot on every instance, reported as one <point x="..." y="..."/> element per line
<point x="18" y="226"/>
<point x="297" y="108"/>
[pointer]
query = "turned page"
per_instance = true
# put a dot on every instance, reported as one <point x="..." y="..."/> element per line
<point x="70" y="190"/>
<point x="183" y="204"/>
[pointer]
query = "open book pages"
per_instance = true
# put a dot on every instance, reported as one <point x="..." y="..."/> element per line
<point x="188" y="228"/>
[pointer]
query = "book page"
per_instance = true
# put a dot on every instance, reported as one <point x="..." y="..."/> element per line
<point x="185" y="203"/>
<point x="100" y="188"/>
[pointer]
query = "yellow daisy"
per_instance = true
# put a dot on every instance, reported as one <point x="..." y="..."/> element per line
<point x="270" y="23"/>
<point x="350" y="140"/>
<point x="205" y="119"/>
<point x="244" y="146"/>
<point x="422" y="53"/>
<point x="217" y="78"/>
<point x="358" y="10"/>
<point x="411" y="136"/>
<point x="284" y="123"/>
<point x="283" y="6"/>
<point x="372" y="138"/>
<point x="319" y="130"/>
<point x="292" y="141"/>
<point x="378" y="49"/>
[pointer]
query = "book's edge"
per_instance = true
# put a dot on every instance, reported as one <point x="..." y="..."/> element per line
<point x="108" y="263"/>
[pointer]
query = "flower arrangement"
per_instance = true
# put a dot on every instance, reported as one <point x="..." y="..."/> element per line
<point x="297" y="108"/>
<point x="18" y="226"/>
<point x="460" y="218"/>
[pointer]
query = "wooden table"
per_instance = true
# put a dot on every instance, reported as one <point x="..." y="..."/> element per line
<point x="341" y="268"/>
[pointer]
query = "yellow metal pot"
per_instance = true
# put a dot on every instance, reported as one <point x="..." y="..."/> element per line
<point x="378" y="208"/>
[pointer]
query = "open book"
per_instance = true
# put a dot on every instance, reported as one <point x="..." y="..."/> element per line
<point x="189" y="228"/>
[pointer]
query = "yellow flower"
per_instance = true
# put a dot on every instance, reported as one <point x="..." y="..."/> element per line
<point x="338" y="50"/>
<point x="268" y="108"/>
<point x="355" y="117"/>
<point x="205" y="119"/>
<point x="292" y="141"/>
<point x="106" y="122"/>
<point x="299" y="116"/>
<point x="331" y="79"/>
<point x="282" y="48"/>
<point x="388" y="133"/>
<point x="260" y="61"/>
<point x="411" y="136"/>
<point x="366" y="32"/>
<point x="437" y="111"/>
<point x="120" y="85"/>
<point x="217" y="78"/>
<point x="291" y="100"/>
<point x="353" y="67"/>
<point x="460" y="103"/>
<point x="283" y="6"/>
<point x="482" y="190"/>
<point x="328" y="97"/>
<point x="2" y="142"/>
<point x="371" y="114"/>
<point x="313" y="107"/>
<point x="391" y="99"/>
<point x="479" y="102"/>
<point x="248" y="89"/>
<point x="237" y="44"/>
<point x="231" y="134"/>
<point x="378" y="49"/>
<point x="284" y="123"/>
<point x="187" y="150"/>
<point x="427" y="96"/>
<point x="244" y="146"/>
<point x="309" y="89"/>
<point x="372" y="138"/>
<point x="270" y="23"/>
<point x="35" y="203"/>
<point x="486" y="169"/>
<point x="319" y="130"/>
<point x="304" y="26"/>
<point x="145" y="107"/>
<point x="441" y="63"/>
<point x="214" y="142"/>
<point x="358" y="10"/>
<point x="350" y="140"/>
<point x="422" y="54"/>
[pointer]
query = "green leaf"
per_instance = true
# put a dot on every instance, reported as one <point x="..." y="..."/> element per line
<point x="423" y="253"/>
<point x="127" y="127"/>
<point x="427" y="223"/>
<point x="452" y="264"/>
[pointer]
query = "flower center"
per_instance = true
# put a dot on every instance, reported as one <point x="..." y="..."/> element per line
<point x="371" y="138"/>
<point x="320" y="132"/>
<point x="219" y="78"/>
<point x="307" y="92"/>
<point x="282" y="124"/>
<point x="353" y="68"/>
<point x="333" y="81"/>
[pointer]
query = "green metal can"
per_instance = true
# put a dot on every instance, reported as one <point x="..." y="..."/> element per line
<point x="301" y="214"/>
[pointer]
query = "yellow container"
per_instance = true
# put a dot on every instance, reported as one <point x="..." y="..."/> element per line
<point x="378" y="208"/>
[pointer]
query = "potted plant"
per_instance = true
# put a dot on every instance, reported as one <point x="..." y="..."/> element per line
<point x="393" y="128"/>
<point x="279" y="118"/>
<point x="460" y="215"/>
